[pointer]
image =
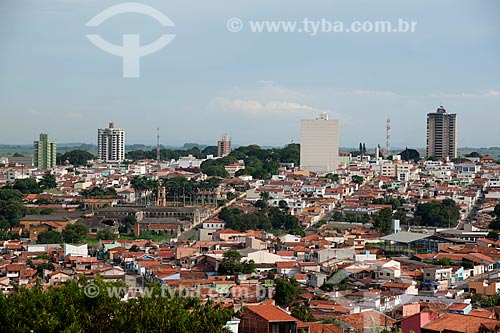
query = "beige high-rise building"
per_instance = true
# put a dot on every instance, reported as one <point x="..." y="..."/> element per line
<point x="224" y="146"/>
<point x="319" y="144"/>
<point x="442" y="134"/>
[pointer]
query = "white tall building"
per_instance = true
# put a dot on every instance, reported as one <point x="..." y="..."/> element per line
<point x="111" y="144"/>
<point x="319" y="144"/>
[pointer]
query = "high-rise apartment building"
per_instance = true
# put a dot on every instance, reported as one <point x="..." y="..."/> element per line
<point x="224" y="146"/>
<point x="442" y="134"/>
<point x="111" y="144"/>
<point x="44" y="153"/>
<point x="319" y="144"/>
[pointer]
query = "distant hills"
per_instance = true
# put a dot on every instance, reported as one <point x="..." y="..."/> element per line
<point x="27" y="149"/>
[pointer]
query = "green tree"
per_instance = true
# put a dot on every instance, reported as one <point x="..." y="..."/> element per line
<point x="77" y="157"/>
<point x="105" y="234"/>
<point x="495" y="224"/>
<point x="303" y="313"/>
<point x="287" y="291"/>
<point x="410" y="155"/>
<point x="67" y="308"/>
<point x="283" y="205"/>
<point x="492" y="235"/>
<point x="74" y="233"/>
<point x="27" y="186"/>
<point x="439" y="214"/>
<point x="333" y="177"/>
<point x="48" y="181"/>
<point x="496" y="210"/>
<point x="134" y="248"/>
<point x="11" y="207"/>
<point x="50" y="237"/>
<point x="444" y="261"/>
<point x="474" y="154"/>
<point x="383" y="220"/>
<point x="357" y="179"/>
<point x="127" y="224"/>
<point x="230" y="262"/>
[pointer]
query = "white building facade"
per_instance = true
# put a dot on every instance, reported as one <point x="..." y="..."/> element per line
<point x="319" y="144"/>
<point x="111" y="144"/>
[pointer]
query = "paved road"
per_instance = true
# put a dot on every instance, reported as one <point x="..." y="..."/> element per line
<point x="188" y="234"/>
<point x="473" y="212"/>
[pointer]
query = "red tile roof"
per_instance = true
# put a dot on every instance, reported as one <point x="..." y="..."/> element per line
<point x="270" y="313"/>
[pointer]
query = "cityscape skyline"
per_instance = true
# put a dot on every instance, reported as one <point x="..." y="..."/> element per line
<point x="360" y="79"/>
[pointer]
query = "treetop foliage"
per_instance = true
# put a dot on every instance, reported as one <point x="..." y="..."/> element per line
<point x="68" y="309"/>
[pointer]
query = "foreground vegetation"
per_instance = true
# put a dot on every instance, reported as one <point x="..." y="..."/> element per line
<point x="68" y="309"/>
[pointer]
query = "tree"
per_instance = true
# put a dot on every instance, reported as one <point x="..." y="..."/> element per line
<point x="134" y="248"/>
<point x="303" y="313"/>
<point x="77" y="157"/>
<point x="444" y="261"/>
<point x="105" y="234"/>
<point x="27" y="186"/>
<point x="410" y="155"/>
<point x="496" y="210"/>
<point x="495" y="224"/>
<point x="48" y="181"/>
<point x="209" y="150"/>
<point x="68" y="308"/>
<point x="492" y="235"/>
<point x="230" y="263"/>
<point x="383" y="220"/>
<point x="438" y="214"/>
<point x="11" y="206"/>
<point x="357" y="179"/>
<point x="287" y="291"/>
<point x="127" y="224"/>
<point x="474" y="154"/>
<point x="74" y="233"/>
<point x="50" y="237"/>
<point x="333" y="177"/>
<point x="283" y="205"/>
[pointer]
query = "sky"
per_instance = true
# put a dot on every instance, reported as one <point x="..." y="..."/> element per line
<point x="254" y="86"/>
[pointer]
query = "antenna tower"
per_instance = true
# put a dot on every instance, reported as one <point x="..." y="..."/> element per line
<point x="158" y="144"/>
<point x="388" y="137"/>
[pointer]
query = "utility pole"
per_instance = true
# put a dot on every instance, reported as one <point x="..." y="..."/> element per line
<point x="158" y="156"/>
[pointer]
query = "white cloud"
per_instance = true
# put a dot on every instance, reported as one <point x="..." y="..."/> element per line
<point x="490" y="93"/>
<point x="373" y="93"/>
<point x="255" y="107"/>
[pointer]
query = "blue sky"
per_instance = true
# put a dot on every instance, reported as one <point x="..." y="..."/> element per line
<point x="254" y="86"/>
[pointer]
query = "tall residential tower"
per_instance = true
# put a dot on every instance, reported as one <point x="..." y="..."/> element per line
<point x="319" y="144"/>
<point x="44" y="153"/>
<point x="224" y="146"/>
<point x="111" y="144"/>
<point x="442" y="134"/>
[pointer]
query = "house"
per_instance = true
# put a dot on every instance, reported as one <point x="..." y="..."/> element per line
<point x="457" y="323"/>
<point x="112" y="273"/>
<point x="485" y="287"/>
<point x="414" y="322"/>
<point x="460" y="308"/>
<point x="366" y="321"/>
<point x="266" y="319"/>
<point x="287" y="268"/>
<point x="58" y="277"/>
